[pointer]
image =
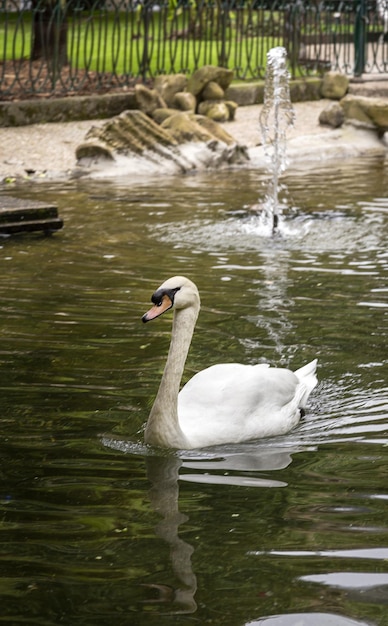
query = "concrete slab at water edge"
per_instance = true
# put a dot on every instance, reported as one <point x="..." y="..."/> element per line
<point x="310" y="151"/>
<point x="18" y="215"/>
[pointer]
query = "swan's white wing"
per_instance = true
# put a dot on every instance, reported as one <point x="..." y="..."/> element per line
<point x="235" y="402"/>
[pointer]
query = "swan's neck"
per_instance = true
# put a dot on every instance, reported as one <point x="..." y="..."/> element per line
<point x="163" y="427"/>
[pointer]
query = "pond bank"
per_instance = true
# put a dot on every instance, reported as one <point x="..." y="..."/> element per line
<point x="47" y="150"/>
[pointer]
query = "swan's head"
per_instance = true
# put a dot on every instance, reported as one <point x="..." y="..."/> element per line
<point x="178" y="292"/>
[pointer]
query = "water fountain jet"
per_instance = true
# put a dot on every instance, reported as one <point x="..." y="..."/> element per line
<point x="277" y="115"/>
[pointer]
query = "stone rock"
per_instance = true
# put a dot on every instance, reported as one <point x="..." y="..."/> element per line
<point x="216" y="130"/>
<point x="185" y="101"/>
<point x="366" y="112"/>
<point x="93" y="151"/>
<point x="183" y="127"/>
<point x="216" y="110"/>
<point x="212" y="91"/>
<point x="148" y="99"/>
<point x="204" y="92"/>
<point x="159" y="115"/>
<point x="334" y="85"/>
<point x="168" y="86"/>
<point x="332" y="115"/>
<point x="206" y="74"/>
<point x="183" y="142"/>
<point x="232" y="108"/>
<point x="354" y="112"/>
<point x="129" y="132"/>
<point x="377" y="110"/>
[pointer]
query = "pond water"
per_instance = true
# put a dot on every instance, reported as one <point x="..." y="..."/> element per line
<point x="280" y="532"/>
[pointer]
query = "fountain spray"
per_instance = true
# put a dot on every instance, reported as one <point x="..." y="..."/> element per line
<point x="277" y="115"/>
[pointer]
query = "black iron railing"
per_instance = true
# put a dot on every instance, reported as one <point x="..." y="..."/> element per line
<point x="63" y="47"/>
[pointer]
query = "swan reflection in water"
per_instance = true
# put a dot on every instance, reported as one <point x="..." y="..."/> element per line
<point x="164" y="474"/>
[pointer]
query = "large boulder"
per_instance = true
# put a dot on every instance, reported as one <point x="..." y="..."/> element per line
<point x="213" y="91"/>
<point x="218" y="110"/>
<point x="188" y="127"/>
<point x="215" y="109"/>
<point x="185" y="101"/>
<point x="216" y="130"/>
<point x="148" y="100"/>
<point x="131" y="132"/>
<point x="366" y="112"/>
<point x="169" y="85"/>
<point x="184" y="141"/>
<point x="206" y="74"/>
<point x="159" y="115"/>
<point x="334" y="85"/>
<point x="232" y="108"/>
<point x="332" y="115"/>
<point x="184" y="128"/>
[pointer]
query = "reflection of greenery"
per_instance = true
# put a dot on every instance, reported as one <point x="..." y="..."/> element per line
<point x="82" y="527"/>
<point x="325" y="508"/>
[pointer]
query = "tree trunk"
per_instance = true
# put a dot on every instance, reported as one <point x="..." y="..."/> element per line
<point x="49" y="36"/>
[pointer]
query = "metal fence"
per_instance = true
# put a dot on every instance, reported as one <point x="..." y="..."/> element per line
<point x="64" y="47"/>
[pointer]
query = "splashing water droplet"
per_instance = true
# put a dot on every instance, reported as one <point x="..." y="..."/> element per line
<point x="277" y="115"/>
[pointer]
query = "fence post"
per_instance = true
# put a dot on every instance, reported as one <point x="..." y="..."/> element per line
<point x="360" y="38"/>
<point x="146" y="9"/>
<point x="224" y="16"/>
<point x="293" y="16"/>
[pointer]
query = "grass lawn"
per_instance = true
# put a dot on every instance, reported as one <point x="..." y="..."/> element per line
<point x="130" y="43"/>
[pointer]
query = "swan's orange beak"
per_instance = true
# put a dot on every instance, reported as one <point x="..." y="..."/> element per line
<point x="159" y="308"/>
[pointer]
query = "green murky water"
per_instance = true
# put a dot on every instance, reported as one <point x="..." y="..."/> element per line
<point x="97" y="529"/>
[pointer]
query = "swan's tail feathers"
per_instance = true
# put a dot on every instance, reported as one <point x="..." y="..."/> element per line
<point x="308" y="378"/>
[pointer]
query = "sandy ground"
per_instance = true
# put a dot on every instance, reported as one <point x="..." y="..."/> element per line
<point x="49" y="149"/>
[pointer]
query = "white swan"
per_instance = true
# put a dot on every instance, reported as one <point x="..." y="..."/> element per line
<point x="225" y="403"/>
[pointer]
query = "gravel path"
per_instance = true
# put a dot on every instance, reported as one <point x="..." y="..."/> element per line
<point x="49" y="149"/>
